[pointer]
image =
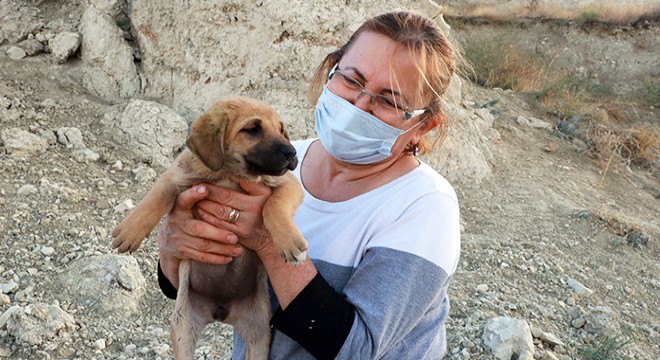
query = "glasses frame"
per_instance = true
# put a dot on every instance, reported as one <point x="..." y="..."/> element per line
<point x="407" y="113"/>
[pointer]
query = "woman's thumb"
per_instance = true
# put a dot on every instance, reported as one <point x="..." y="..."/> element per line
<point x="190" y="197"/>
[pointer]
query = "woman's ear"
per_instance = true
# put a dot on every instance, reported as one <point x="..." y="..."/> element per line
<point x="429" y="124"/>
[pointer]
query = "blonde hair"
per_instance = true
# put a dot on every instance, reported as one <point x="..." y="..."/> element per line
<point x="419" y="34"/>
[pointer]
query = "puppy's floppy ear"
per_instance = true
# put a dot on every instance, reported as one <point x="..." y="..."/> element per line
<point x="206" y="138"/>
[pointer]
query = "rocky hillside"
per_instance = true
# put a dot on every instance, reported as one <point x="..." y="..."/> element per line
<point x="560" y="254"/>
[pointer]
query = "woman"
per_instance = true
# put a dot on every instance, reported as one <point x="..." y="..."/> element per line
<point x="382" y="227"/>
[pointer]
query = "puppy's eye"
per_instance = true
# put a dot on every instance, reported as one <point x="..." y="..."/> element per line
<point x="253" y="130"/>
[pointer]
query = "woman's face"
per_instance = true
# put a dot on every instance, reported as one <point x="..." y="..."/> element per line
<point x="384" y="67"/>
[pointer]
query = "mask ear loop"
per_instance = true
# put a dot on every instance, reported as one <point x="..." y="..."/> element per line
<point x="413" y="148"/>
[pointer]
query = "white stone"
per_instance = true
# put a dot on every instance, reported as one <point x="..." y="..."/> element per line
<point x="27" y="190"/>
<point x="63" y="45"/>
<point x="16" y="53"/>
<point x="482" y="288"/>
<point x="20" y="143"/>
<point x="47" y="250"/>
<point x="507" y="337"/>
<point x="124" y="206"/>
<point x="70" y="137"/>
<point x="8" y="287"/>
<point x="99" y="344"/>
<point x="579" y="288"/>
<point x="117" y="166"/>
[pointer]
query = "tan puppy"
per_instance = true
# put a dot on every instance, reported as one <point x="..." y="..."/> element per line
<point x="236" y="138"/>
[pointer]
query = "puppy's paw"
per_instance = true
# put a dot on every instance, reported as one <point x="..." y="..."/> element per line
<point x="294" y="256"/>
<point x="127" y="238"/>
<point x="291" y="244"/>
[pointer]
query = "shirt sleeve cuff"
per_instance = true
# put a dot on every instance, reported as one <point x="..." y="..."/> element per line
<point x="319" y="319"/>
<point x="165" y="285"/>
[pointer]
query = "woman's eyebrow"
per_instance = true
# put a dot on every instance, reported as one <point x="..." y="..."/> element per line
<point x="364" y="80"/>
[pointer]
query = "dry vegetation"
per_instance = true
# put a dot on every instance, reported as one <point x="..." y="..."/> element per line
<point x="583" y="107"/>
<point x="621" y="14"/>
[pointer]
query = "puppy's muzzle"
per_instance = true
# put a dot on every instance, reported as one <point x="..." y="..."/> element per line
<point x="275" y="160"/>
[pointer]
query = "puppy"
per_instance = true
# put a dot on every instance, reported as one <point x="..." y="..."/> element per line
<point x="237" y="138"/>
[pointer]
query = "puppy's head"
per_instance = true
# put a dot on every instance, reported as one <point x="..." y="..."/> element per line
<point x="243" y="135"/>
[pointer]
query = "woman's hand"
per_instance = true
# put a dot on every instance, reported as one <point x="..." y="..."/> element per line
<point x="182" y="236"/>
<point x="249" y="227"/>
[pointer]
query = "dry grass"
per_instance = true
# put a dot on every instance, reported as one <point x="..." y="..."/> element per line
<point x="613" y="148"/>
<point x="507" y="64"/>
<point x="566" y="97"/>
<point x="510" y="69"/>
<point x="614" y="13"/>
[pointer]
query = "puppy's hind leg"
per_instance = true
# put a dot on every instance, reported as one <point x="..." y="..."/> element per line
<point x="253" y="321"/>
<point x="186" y="323"/>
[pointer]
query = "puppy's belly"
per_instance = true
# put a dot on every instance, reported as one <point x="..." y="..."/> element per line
<point x="225" y="283"/>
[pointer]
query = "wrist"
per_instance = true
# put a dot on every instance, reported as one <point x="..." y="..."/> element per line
<point x="267" y="249"/>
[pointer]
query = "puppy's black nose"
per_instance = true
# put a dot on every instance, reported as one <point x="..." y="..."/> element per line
<point x="289" y="153"/>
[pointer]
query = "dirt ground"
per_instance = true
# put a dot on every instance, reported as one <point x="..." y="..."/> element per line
<point x="546" y="215"/>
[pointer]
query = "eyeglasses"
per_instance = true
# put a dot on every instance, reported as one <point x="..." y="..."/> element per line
<point x="384" y="107"/>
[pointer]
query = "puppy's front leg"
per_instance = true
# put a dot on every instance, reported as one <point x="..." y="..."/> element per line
<point x="129" y="234"/>
<point x="278" y="214"/>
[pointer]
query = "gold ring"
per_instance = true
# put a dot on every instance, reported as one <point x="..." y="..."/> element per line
<point x="233" y="216"/>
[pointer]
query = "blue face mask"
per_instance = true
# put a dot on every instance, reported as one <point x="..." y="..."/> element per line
<point x="352" y="135"/>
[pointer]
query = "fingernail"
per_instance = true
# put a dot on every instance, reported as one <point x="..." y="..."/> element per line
<point x="201" y="189"/>
<point x="232" y="239"/>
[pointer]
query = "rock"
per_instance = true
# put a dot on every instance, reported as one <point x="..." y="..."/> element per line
<point x="31" y="47"/>
<point x="124" y="206"/>
<point x="533" y="123"/>
<point x="110" y="71"/>
<point x="47" y="250"/>
<point x="4" y="299"/>
<point x="4" y="318"/>
<point x="578" y="322"/>
<point x="16" y="53"/>
<point x="117" y="166"/>
<point x="579" y="288"/>
<point x="20" y="143"/>
<point x="85" y="155"/>
<point x="63" y="45"/>
<point x="8" y="287"/>
<point x="71" y="137"/>
<point x="465" y="155"/>
<point x="509" y="338"/>
<point x="110" y="285"/>
<point x="153" y="131"/>
<point x="551" y="339"/>
<point x="482" y="288"/>
<point x="144" y="174"/>
<point x="99" y="344"/>
<point x="19" y="20"/>
<point x="35" y="323"/>
<point x="28" y="189"/>
<point x="575" y="312"/>
<point x="548" y="355"/>
<point x="602" y="321"/>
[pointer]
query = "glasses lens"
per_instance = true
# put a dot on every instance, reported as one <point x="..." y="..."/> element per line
<point x="384" y="107"/>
